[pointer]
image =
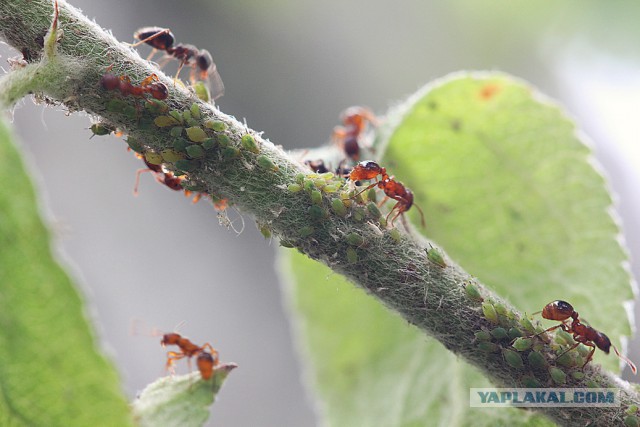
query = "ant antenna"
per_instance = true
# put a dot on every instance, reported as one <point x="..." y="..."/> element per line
<point x="627" y="361"/>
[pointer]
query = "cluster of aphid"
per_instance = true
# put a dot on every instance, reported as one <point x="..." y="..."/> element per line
<point x="349" y="136"/>
<point x="206" y="356"/>
<point x="517" y="337"/>
<point x="193" y="136"/>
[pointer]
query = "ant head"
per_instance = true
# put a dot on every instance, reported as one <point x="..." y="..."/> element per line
<point x="110" y="81"/>
<point x="352" y="148"/>
<point x="557" y="310"/>
<point x="357" y="116"/>
<point x="170" y="339"/>
<point x="317" y="166"/>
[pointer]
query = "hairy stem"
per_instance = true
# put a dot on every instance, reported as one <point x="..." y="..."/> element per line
<point x="236" y="163"/>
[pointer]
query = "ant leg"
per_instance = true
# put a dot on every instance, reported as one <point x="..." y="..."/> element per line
<point x="366" y="189"/>
<point x="383" y="201"/>
<point x="152" y="54"/>
<point x="138" y="173"/>
<point x="593" y="350"/>
<point x="172" y="358"/>
<point x="421" y="216"/>
<point x="212" y="350"/>
<point x="574" y="346"/>
<point x="628" y="361"/>
<point x="178" y="72"/>
<point x="147" y="81"/>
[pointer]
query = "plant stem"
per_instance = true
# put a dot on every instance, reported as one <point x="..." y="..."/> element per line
<point x="259" y="178"/>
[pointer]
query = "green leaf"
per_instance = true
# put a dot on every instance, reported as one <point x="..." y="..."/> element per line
<point x="370" y="367"/>
<point x="181" y="401"/>
<point x="50" y="371"/>
<point x="510" y="192"/>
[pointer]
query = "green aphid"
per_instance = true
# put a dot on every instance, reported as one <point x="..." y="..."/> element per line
<point x="306" y="231"/>
<point x="577" y="375"/>
<point x="202" y="91"/>
<point x="531" y="382"/>
<point x="499" y="333"/>
<point x="249" y="143"/>
<point x="354" y="239"/>
<point x="130" y="112"/>
<point x="300" y="178"/>
<point x="135" y="145"/>
<point x="372" y="196"/>
<point x="327" y="176"/>
<point x="264" y="230"/>
<point x="153" y="158"/>
<point x="320" y="183"/>
<point x="338" y="207"/>
<point x="223" y="140"/>
<point x="316" y="197"/>
<point x="116" y="105"/>
<point x="383" y="222"/>
<point x="435" y="256"/>
<point x="527" y="325"/>
<point x="171" y="156"/>
<point x="566" y="360"/>
<point x="329" y="189"/>
<point x="192" y="123"/>
<point x="557" y="375"/>
<point x="536" y="360"/>
<point x="472" y="292"/>
<point x="522" y="344"/>
<point x="488" y="347"/>
<point x="176" y="115"/>
<point x="564" y="338"/>
<point x="176" y="131"/>
<point x="164" y="121"/>
<point x="317" y="213"/>
<point x="631" y="421"/>
<point x="195" y="111"/>
<point x="514" y="333"/>
<point x="195" y="151"/>
<point x="397" y="237"/>
<point x="359" y="214"/>
<point x="101" y="129"/>
<point x="187" y="165"/>
<point x="196" y="134"/>
<point x="490" y="312"/>
<point x="265" y="163"/>
<point x="186" y="115"/>
<point x="294" y="188"/>
<point x="483" y="336"/>
<point x="500" y="308"/>
<point x="215" y="125"/>
<point x="513" y="358"/>
<point x="180" y="145"/>
<point x="155" y="106"/>
<point x="230" y="153"/>
<point x="373" y="210"/>
<point x="309" y="186"/>
<point x="208" y="143"/>
<point x="352" y="255"/>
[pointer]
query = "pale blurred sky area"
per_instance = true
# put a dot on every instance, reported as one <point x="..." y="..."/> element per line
<point x="290" y="67"/>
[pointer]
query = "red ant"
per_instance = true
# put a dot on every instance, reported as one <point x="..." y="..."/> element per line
<point x="200" y="60"/>
<point x="562" y="311"/>
<point x="151" y="85"/>
<point x="206" y="355"/>
<point x="355" y="121"/>
<point x="393" y="189"/>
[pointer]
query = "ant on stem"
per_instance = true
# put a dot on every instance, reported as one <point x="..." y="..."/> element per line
<point x="563" y="312"/>
<point x="206" y="355"/>
<point x="368" y="170"/>
<point x="199" y="60"/>
<point x="354" y="120"/>
<point x="151" y="85"/>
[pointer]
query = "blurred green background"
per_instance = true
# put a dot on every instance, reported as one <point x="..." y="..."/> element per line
<point x="290" y="67"/>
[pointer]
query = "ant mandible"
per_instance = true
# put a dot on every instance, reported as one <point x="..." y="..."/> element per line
<point x="151" y="85"/>
<point x="206" y="355"/>
<point x="354" y="120"/>
<point x="562" y="311"/>
<point x="393" y="189"/>
<point x="200" y="60"/>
